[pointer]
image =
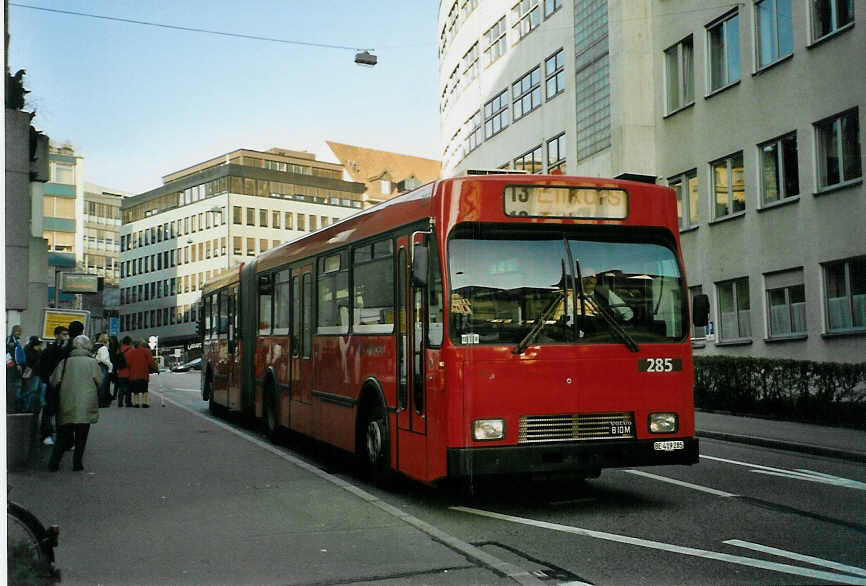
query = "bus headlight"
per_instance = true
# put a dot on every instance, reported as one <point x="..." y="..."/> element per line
<point x="663" y="422"/>
<point x="488" y="429"/>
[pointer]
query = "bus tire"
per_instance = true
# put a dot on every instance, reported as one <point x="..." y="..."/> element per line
<point x="271" y="413"/>
<point x="375" y="449"/>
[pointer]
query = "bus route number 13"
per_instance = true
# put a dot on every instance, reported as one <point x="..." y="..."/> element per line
<point x="660" y="365"/>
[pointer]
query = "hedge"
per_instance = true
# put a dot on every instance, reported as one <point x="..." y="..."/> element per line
<point x="821" y="392"/>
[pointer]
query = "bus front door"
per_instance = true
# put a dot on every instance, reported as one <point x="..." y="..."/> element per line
<point x="411" y="449"/>
<point x="234" y="350"/>
<point x="301" y="337"/>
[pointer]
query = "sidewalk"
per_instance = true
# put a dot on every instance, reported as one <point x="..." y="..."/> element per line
<point x="819" y="440"/>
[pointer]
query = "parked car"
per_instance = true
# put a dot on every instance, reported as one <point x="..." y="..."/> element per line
<point x="187" y="366"/>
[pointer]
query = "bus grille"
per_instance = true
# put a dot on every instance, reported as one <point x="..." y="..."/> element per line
<point x="575" y="427"/>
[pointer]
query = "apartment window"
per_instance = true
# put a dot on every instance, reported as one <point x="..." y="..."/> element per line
<point x="186" y="225"/>
<point x="495" y="42"/>
<point x="472" y="133"/>
<point x="556" y="155"/>
<point x="288" y="224"/>
<point x="774" y="30"/>
<point x="62" y="173"/>
<point x="526" y="16"/>
<point x="554" y="72"/>
<point x="829" y="16"/>
<point x="263" y="218"/>
<point x="222" y="246"/>
<point x="526" y="93"/>
<point x="551" y="6"/>
<point x="531" y="162"/>
<point x="314" y="220"/>
<point x="207" y="249"/>
<point x="324" y="221"/>
<point x="699" y="333"/>
<point x="275" y="243"/>
<point x="251" y="216"/>
<point x="496" y="115"/>
<point x="275" y="220"/>
<point x="728" y="185"/>
<point x="237" y="245"/>
<point x="723" y="41"/>
<point x="779" y="169"/>
<point x="838" y="142"/>
<point x="845" y="291"/>
<point x="251" y="246"/>
<point x="470" y="64"/>
<point x="686" y="188"/>
<point x="734" y="310"/>
<point x="195" y="224"/>
<point x="786" y="304"/>
<point x="680" y="75"/>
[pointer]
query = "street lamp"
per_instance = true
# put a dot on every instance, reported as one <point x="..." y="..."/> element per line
<point x="366" y="59"/>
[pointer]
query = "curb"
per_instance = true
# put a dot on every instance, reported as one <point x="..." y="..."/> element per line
<point x="785" y="445"/>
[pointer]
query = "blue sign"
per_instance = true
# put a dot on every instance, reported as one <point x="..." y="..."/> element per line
<point x="114" y="326"/>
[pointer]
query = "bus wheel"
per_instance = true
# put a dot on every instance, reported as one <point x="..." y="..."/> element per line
<point x="272" y="426"/>
<point x="376" y="448"/>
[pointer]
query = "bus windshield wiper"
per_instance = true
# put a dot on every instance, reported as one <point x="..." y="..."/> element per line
<point x="612" y="325"/>
<point x="539" y="323"/>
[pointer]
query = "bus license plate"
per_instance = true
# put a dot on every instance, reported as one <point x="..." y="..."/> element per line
<point x="669" y="446"/>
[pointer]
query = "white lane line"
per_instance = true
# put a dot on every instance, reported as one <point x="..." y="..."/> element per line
<point x="799" y="474"/>
<point x="797" y="556"/>
<point x="681" y="483"/>
<point x="186" y="390"/>
<point x="703" y="553"/>
<point x="516" y="573"/>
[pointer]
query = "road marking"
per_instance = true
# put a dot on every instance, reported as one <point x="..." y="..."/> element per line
<point x="516" y="573"/>
<point x="186" y="390"/>
<point x="799" y="474"/>
<point x="703" y="553"/>
<point x="797" y="556"/>
<point x="681" y="483"/>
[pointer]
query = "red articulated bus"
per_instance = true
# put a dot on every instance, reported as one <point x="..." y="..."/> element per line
<point x="484" y="325"/>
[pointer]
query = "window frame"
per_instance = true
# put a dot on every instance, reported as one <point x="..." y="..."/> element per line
<point x="774" y="13"/>
<point x="688" y="200"/>
<point x="739" y="338"/>
<point x="502" y="111"/>
<point x="496" y="42"/>
<point x="849" y="296"/>
<point x="558" y="74"/>
<point x="530" y="92"/>
<point x="835" y="27"/>
<point x="531" y="152"/>
<point x="723" y="23"/>
<point x="685" y="75"/>
<point x="525" y="11"/>
<point x="821" y="153"/>
<point x="730" y="213"/>
<point x="781" y="170"/>
<point x="474" y="131"/>
<point x="558" y="164"/>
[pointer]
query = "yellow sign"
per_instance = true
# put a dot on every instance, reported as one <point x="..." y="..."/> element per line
<point x="535" y="201"/>
<point x="51" y="318"/>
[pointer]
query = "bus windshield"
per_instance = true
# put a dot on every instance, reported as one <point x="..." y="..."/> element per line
<point x="563" y="287"/>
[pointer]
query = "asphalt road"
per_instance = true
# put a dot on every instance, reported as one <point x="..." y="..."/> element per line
<point x="744" y="515"/>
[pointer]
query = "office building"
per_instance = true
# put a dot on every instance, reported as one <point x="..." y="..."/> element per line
<point x="210" y="218"/>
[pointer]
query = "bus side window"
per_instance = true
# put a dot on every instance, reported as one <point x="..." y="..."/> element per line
<point x="296" y="317"/>
<point x="435" y="302"/>
<point x="266" y="289"/>
<point x="307" y="322"/>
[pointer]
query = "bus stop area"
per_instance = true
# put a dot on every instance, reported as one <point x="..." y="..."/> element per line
<point x="169" y="496"/>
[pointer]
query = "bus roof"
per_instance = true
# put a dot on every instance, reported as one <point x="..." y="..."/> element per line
<point x="229" y="278"/>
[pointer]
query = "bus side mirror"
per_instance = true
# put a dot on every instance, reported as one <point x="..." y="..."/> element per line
<point x="701" y="310"/>
<point x="419" y="265"/>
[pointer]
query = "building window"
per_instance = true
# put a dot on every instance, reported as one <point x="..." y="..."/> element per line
<point x="313" y="223"/>
<point x="551" y="6"/>
<point x="556" y="155"/>
<point x="699" y="333"/>
<point x="472" y="132"/>
<point x="275" y="220"/>
<point x="251" y="216"/>
<point x="829" y="16"/>
<point x="526" y="93"/>
<point x="496" y="115"/>
<point x="774" y="29"/>
<point x="470" y="64"/>
<point x="686" y="188"/>
<point x="237" y="245"/>
<point x="838" y="142"/>
<point x="845" y="291"/>
<point x="680" y="75"/>
<point x="63" y="173"/>
<point x="779" y="169"/>
<point x="554" y="72"/>
<point x="531" y="162"/>
<point x="302" y="222"/>
<point x="263" y="218"/>
<point x="734" y="310"/>
<point x="728" y="185"/>
<point x="723" y="41"/>
<point x="288" y="224"/>
<point x="237" y="215"/>
<point x="526" y="17"/>
<point x="786" y="304"/>
<point x="251" y="246"/>
<point x="384" y="189"/>
<point x="263" y="244"/>
<point x="495" y="42"/>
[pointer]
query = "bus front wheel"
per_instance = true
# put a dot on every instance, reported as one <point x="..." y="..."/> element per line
<point x="376" y="449"/>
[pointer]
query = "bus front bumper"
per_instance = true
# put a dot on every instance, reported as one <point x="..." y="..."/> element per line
<point x="577" y="458"/>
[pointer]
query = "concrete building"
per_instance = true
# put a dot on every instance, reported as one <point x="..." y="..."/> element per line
<point x="384" y="174"/>
<point x="209" y="218"/>
<point x="758" y="128"/>
<point x="748" y="111"/>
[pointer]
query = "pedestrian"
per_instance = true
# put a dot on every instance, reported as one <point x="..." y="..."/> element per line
<point x="16" y="361"/>
<point x="51" y="357"/>
<point x="78" y="377"/>
<point x="33" y="389"/>
<point x="121" y="365"/>
<point x="141" y="364"/>
<point x="113" y="347"/>
<point x="104" y="360"/>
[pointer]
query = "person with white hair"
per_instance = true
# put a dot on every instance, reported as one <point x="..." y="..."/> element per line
<point x="78" y="377"/>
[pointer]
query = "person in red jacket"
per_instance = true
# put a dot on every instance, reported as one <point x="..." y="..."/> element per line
<point x="122" y="369"/>
<point x="141" y="364"/>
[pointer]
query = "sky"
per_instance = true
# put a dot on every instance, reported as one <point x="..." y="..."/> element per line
<point x="139" y="102"/>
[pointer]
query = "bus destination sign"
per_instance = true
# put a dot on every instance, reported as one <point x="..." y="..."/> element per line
<point x="542" y="201"/>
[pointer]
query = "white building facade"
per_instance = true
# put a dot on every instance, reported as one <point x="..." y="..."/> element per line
<point x="210" y="219"/>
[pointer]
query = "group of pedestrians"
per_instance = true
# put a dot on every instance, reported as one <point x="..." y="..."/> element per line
<point x="71" y="379"/>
